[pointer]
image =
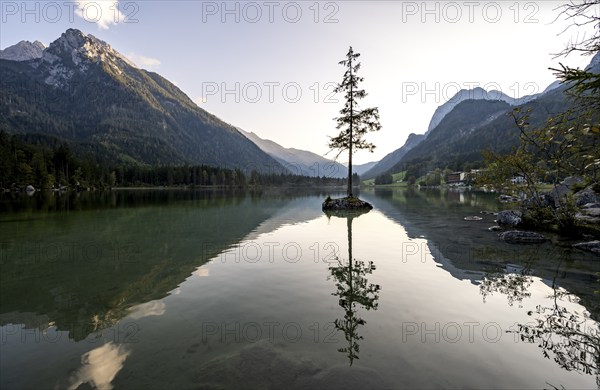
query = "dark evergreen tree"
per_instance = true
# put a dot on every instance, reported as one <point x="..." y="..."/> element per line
<point x="386" y="178"/>
<point x="353" y="121"/>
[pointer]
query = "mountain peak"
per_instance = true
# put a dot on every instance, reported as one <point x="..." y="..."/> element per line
<point x="72" y="38"/>
<point x="80" y="46"/>
<point x="594" y="65"/>
<point x="74" y="52"/>
<point x="23" y="51"/>
<point x="476" y="93"/>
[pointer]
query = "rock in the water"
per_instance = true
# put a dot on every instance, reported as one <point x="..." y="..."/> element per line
<point x="348" y="203"/>
<point x="494" y="228"/>
<point x="589" y="215"/>
<point x="586" y="196"/>
<point x="509" y="217"/>
<point x="508" y="198"/>
<point x="30" y="188"/>
<point x="473" y="218"/>
<point x="520" y="237"/>
<point x="592" y="211"/>
<point x="591" y="246"/>
<point x="514" y="269"/>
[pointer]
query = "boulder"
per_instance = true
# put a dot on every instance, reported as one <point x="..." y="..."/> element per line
<point x="509" y="217"/>
<point x="589" y="214"/>
<point x="521" y="237"/>
<point x="586" y="196"/>
<point x="591" y="246"/>
<point x="571" y="181"/>
<point x="508" y="199"/>
<point x="543" y="200"/>
<point x="591" y="206"/>
<point x="592" y="211"/>
<point x="558" y="194"/>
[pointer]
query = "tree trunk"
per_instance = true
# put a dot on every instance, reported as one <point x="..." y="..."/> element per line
<point x="350" y="139"/>
<point x="350" y="165"/>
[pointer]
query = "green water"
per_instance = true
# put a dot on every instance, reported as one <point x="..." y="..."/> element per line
<point x="183" y="289"/>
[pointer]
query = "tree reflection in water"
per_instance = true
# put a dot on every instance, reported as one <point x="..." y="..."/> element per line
<point x="513" y="283"/>
<point x="571" y="338"/>
<point x="354" y="291"/>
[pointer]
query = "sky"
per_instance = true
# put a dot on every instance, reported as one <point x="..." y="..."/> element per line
<point x="270" y="66"/>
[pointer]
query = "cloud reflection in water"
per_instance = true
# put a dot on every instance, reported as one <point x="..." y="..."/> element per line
<point x="100" y="366"/>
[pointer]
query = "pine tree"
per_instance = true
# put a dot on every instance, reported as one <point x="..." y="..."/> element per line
<point x="353" y="121"/>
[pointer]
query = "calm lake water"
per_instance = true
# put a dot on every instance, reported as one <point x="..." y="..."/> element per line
<point x="176" y="289"/>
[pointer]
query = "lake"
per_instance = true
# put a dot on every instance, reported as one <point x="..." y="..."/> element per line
<point x="214" y="289"/>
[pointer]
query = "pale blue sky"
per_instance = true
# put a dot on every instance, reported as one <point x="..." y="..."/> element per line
<point x="408" y="48"/>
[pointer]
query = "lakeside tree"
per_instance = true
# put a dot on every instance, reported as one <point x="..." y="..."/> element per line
<point x="353" y="121"/>
<point x="385" y="178"/>
<point x="568" y="144"/>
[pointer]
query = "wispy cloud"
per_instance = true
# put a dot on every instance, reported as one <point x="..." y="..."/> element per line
<point x="103" y="13"/>
<point x="143" y="61"/>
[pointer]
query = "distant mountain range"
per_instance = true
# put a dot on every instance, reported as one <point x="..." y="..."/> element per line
<point x="475" y="94"/>
<point x="23" y="51"/>
<point x="82" y="91"/>
<point x="470" y="122"/>
<point x="300" y="162"/>
<point x="303" y="162"/>
<point x="454" y="140"/>
<point x="360" y="169"/>
<point x="393" y="158"/>
<point x="464" y="132"/>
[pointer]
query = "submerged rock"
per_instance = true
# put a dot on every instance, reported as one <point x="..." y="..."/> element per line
<point x="521" y="237"/>
<point x="473" y="218"/>
<point x="591" y="246"/>
<point x="495" y="228"/>
<point x="509" y="217"/>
